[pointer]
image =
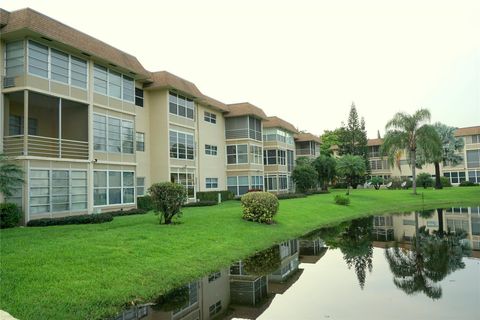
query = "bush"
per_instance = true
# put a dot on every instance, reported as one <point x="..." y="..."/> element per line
<point x="10" y="215"/>
<point x="213" y="195"/>
<point x="305" y="177"/>
<point x="342" y="200"/>
<point x="81" y="219"/>
<point x="376" y="182"/>
<point x="130" y="212"/>
<point x="445" y="182"/>
<point x="200" y="204"/>
<point x="308" y="193"/>
<point x="340" y="185"/>
<point x="468" y="184"/>
<point x="145" y="202"/>
<point x="167" y="199"/>
<point x="264" y="262"/>
<point x="259" y="206"/>
<point x="283" y="196"/>
<point x="425" y="180"/>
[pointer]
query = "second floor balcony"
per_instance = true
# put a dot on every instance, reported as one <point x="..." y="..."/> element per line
<point x="45" y="126"/>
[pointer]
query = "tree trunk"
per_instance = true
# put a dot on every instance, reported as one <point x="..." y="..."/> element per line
<point x="440" y="222"/>
<point x="414" y="177"/>
<point x="417" y="244"/>
<point x="438" y="183"/>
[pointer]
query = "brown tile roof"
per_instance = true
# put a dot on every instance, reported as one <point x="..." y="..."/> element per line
<point x="208" y="101"/>
<point x="374" y="142"/>
<point x="468" y="131"/>
<point x="244" y="109"/>
<point x="276" y="122"/>
<point x="28" y="19"/>
<point x="306" y="136"/>
<point x="167" y="80"/>
<point x="4" y="15"/>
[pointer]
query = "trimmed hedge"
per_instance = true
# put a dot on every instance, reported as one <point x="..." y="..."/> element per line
<point x="10" y="215"/>
<point x="130" y="212"/>
<point x="81" y="219"/>
<point x="200" y="204"/>
<point x="445" y="182"/>
<point x="311" y="192"/>
<point x="259" y="206"/>
<point x="283" y="196"/>
<point x="145" y="202"/>
<point x="342" y="200"/>
<point x="468" y="184"/>
<point x="213" y="195"/>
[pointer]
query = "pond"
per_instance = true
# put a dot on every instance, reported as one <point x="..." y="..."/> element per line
<point x="416" y="265"/>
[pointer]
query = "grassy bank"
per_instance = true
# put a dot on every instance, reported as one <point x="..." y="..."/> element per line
<point x="90" y="271"/>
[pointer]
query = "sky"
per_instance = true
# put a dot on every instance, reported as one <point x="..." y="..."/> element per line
<point x="303" y="61"/>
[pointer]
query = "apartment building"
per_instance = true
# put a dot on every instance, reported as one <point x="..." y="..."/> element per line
<point x="278" y="154"/>
<point x="307" y="145"/>
<point x="468" y="169"/>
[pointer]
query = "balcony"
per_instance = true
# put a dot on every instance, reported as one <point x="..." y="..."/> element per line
<point x="57" y="128"/>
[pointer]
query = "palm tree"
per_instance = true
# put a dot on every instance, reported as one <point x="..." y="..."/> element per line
<point x="350" y="167"/>
<point x="325" y="166"/>
<point x="447" y="154"/>
<point x="11" y="176"/>
<point x="406" y="131"/>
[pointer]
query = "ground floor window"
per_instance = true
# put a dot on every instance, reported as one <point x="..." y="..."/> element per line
<point x="215" y="308"/>
<point x="474" y="176"/>
<point x="237" y="184"/>
<point x="113" y="187"/>
<point x="455" y="176"/>
<point x="186" y="179"/>
<point x="282" y="182"/>
<point x="271" y="183"/>
<point x="211" y="183"/>
<point x="140" y="186"/>
<point x="256" y="182"/>
<point x="57" y="190"/>
<point x="17" y="196"/>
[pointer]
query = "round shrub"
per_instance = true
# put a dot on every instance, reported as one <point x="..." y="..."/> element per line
<point x="425" y="180"/>
<point x="10" y="215"/>
<point x="445" y="182"/>
<point x="167" y="199"/>
<point x="259" y="206"/>
<point x="342" y="200"/>
<point x="468" y="184"/>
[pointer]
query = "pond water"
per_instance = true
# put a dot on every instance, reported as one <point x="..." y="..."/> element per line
<point x="416" y="265"/>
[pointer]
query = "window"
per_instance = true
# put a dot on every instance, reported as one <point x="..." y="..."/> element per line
<point x="274" y="134"/>
<point x="57" y="190"/>
<point x="210" y="150"/>
<point x="37" y="59"/>
<point x="211" y="183"/>
<point x="256" y="154"/>
<point x="112" y="134"/>
<point x="237" y="154"/>
<point x="15" y="125"/>
<point x="181" y="145"/>
<point x="140" y="139"/>
<point x="60" y="66"/>
<point x="14" y="59"/>
<point x="472" y="139"/>
<point x="256" y="182"/>
<point x="455" y="177"/>
<point x="100" y="79"/>
<point x="474" y="176"/>
<point x="473" y="158"/>
<point x="210" y="117"/>
<point x="282" y="182"/>
<point x="114" y="84"/>
<point x="237" y="184"/>
<point x="407" y="222"/>
<point x="289" y="139"/>
<point x="255" y="128"/>
<point x="185" y="179"/>
<point x="113" y="187"/>
<point x="214" y="276"/>
<point x="271" y="182"/>
<point x="78" y="73"/>
<point x="128" y="92"/>
<point x="180" y="105"/>
<point x="281" y="157"/>
<point x="380" y="164"/>
<point x="269" y="157"/>
<point x="140" y="186"/>
<point x="215" y="308"/>
<point x="236" y="128"/>
<point x="290" y="160"/>
<point x="139" y="97"/>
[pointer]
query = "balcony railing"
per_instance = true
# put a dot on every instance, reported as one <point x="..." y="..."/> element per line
<point x="40" y="146"/>
<point x="306" y="152"/>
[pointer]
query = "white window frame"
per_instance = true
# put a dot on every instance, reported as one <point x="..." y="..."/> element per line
<point x="122" y="187"/>
<point x="186" y="145"/>
<point x="237" y="153"/>
<point x="210" y="117"/>
<point x="177" y="105"/>
<point x="211" y="183"/>
<point x="211" y="150"/>
<point x="142" y="186"/>
<point x="107" y="117"/>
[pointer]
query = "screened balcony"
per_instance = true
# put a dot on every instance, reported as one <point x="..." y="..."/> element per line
<point x="307" y="148"/>
<point x="56" y="128"/>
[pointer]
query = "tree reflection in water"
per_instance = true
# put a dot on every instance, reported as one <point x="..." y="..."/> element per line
<point x="428" y="261"/>
<point x="355" y="243"/>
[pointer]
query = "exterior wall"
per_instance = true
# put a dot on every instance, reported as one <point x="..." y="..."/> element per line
<point x="211" y="166"/>
<point x="276" y="170"/>
<point x="214" y="291"/>
<point x="142" y="124"/>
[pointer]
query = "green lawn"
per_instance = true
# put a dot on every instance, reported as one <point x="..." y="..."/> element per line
<point x="91" y="271"/>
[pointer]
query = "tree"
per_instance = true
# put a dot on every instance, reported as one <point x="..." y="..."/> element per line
<point x="406" y="131"/>
<point x="11" y="176"/>
<point x="329" y="139"/>
<point x="305" y="177"/>
<point x="167" y="198"/>
<point x="448" y="153"/>
<point x="350" y="168"/>
<point x="353" y="140"/>
<point x="325" y="167"/>
<point x="425" y="180"/>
